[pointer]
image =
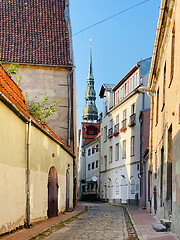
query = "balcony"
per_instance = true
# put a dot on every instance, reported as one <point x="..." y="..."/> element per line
<point x="132" y="120"/>
<point x="124" y="123"/>
<point x="110" y="133"/>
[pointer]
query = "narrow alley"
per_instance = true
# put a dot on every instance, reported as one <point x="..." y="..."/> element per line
<point x="102" y="221"/>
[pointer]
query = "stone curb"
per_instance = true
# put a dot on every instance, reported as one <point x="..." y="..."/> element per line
<point x="140" y="237"/>
<point x="61" y="222"/>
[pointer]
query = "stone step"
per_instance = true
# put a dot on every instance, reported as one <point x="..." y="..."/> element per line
<point x="158" y="227"/>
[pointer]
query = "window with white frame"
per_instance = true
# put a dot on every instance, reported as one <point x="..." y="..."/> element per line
<point x="127" y="88"/>
<point x="89" y="152"/>
<point x="117" y="152"/>
<point x="124" y="149"/>
<point x="121" y="93"/>
<point x="132" y="145"/>
<point x="110" y="154"/>
<point x="93" y="149"/>
<point x="137" y="78"/>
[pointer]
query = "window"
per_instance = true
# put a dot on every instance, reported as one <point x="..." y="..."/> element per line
<point x="155" y="164"/>
<point x="106" y="109"/>
<point x="89" y="167"/>
<point x="138" y="167"/>
<point x="121" y="93"/>
<point x="93" y="150"/>
<point x="105" y="134"/>
<point x="89" y="152"/>
<point x="124" y="149"/>
<point x="157" y="106"/>
<point x="172" y="54"/>
<point x="117" y="152"/>
<point x="93" y="165"/>
<point x="132" y="145"/>
<point x="117" y="119"/>
<point x="124" y="124"/>
<point x="133" y="108"/>
<point x="127" y="88"/>
<point x="110" y="154"/>
<point x="97" y="148"/>
<point x="131" y="83"/>
<point x="137" y="79"/>
<point x="96" y="164"/>
<point x="164" y="87"/>
<point x="105" y="162"/>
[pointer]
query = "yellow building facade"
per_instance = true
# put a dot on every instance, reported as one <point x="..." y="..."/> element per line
<point x="36" y="167"/>
<point x="164" y="90"/>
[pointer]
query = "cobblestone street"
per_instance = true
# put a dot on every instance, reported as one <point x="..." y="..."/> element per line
<point x="102" y="221"/>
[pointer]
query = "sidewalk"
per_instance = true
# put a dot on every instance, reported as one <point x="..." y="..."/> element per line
<point x="142" y="221"/>
<point x="39" y="227"/>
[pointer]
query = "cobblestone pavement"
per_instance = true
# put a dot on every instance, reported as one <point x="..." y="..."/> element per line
<point x="101" y="222"/>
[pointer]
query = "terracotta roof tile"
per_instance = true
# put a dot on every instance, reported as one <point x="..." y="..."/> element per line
<point x="12" y="92"/>
<point x="34" y="32"/>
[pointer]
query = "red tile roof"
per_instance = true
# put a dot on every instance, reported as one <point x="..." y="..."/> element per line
<point x="34" y="32"/>
<point x="11" y="91"/>
<point x="14" y="94"/>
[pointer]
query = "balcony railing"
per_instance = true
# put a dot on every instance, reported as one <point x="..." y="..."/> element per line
<point x="124" y="123"/>
<point x="132" y="120"/>
<point x="116" y="127"/>
<point x="110" y="133"/>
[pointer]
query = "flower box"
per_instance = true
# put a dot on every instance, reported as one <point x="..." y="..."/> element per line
<point x="123" y="129"/>
<point x="115" y="134"/>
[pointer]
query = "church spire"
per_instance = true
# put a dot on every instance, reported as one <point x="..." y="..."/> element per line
<point x="90" y="112"/>
<point x="90" y="73"/>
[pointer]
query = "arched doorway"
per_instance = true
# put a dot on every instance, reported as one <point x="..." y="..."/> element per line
<point x="52" y="193"/>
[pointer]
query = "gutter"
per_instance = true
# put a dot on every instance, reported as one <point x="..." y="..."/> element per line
<point x="28" y="175"/>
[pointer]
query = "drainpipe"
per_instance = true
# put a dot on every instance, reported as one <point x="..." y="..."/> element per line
<point x="28" y="176"/>
<point x="70" y="106"/>
<point x="144" y="180"/>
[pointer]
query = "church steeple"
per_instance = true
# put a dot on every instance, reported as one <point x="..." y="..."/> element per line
<point x="90" y="112"/>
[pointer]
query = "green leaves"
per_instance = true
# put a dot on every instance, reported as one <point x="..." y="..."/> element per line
<point x="13" y="70"/>
<point x="41" y="110"/>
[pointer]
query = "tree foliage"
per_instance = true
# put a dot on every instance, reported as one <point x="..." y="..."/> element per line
<point x="13" y="69"/>
<point x="41" y="110"/>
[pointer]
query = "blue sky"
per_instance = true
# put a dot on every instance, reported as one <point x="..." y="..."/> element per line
<point x="117" y="44"/>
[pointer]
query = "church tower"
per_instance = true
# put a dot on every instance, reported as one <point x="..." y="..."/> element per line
<point x="90" y="112"/>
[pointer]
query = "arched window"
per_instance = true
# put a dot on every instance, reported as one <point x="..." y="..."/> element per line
<point x="117" y="188"/>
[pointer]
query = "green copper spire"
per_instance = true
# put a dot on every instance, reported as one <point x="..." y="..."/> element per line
<point x="90" y="112"/>
<point x="90" y="73"/>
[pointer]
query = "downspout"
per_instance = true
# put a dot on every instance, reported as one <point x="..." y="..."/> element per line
<point x="151" y="131"/>
<point x="144" y="180"/>
<point x="70" y="106"/>
<point x="28" y="175"/>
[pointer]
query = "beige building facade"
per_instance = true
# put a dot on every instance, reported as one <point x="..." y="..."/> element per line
<point x="34" y="164"/>
<point x="164" y="89"/>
